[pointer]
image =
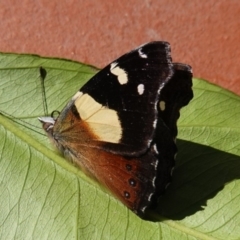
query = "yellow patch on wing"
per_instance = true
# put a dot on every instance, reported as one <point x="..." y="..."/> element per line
<point x="102" y="121"/>
<point x="162" y="105"/>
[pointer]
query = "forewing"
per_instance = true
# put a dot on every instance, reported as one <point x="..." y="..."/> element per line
<point x="119" y="103"/>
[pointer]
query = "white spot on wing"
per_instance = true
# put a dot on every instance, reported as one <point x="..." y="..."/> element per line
<point x="140" y="89"/>
<point x="154" y="123"/>
<point x="155" y="165"/>
<point x="119" y="72"/>
<point x="162" y="105"/>
<point x="153" y="181"/>
<point x="141" y="54"/>
<point x="102" y="121"/>
<point x="143" y="209"/>
<point x="149" y="197"/>
<point x="155" y="149"/>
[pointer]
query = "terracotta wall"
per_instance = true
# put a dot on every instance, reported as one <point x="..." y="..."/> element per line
<point x="205" y="34"/>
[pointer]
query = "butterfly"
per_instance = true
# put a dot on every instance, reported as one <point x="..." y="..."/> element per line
<point x="120" y="127"/>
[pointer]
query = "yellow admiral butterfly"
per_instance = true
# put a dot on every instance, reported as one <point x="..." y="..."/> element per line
<point x="120" y="127"/>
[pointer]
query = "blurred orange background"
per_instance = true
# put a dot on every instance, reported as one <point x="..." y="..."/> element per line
<point x="204" y="34"/>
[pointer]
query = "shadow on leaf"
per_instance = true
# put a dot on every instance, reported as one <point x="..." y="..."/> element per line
<point x="200" y="173"/>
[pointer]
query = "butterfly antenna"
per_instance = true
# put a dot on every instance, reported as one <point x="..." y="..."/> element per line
<point x="43" y="74"/>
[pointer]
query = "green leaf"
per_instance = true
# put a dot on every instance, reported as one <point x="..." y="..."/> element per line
<point x="45" y="197"/>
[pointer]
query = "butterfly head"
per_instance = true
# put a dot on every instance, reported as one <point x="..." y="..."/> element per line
<point x="47" y="124"/>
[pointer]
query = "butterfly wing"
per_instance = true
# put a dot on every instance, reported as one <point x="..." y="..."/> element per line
<point x="116" y="129"/>
<point x="176" y="94"/>
<point x="119" y="102"/>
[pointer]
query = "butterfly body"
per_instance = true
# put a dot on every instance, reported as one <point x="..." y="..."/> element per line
<point x="117" y="129"/>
